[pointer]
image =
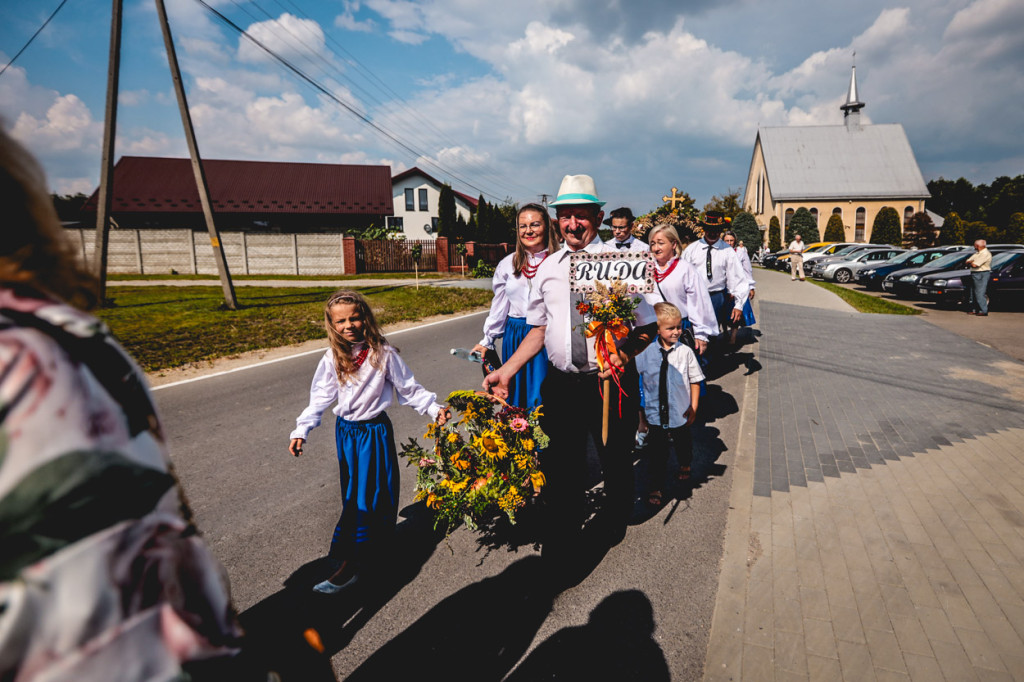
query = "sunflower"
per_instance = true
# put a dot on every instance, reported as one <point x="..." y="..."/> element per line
<point x="492" y="444"/>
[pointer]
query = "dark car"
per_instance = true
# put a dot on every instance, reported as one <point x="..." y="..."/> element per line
<point x="872" y="277"/>
<point x="948" y="288"/>
<point x="769" y="260"/>
<point x="1007" y="284"/>
<point x="903" y="283"/>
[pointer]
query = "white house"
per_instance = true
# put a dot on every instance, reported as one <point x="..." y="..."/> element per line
<point x="416" y="196"/>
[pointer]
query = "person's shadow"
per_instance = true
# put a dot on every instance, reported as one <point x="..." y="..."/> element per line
<point x="617" y="643"/>
<point x="284" y="630"/>
<point x="477" y="634"/>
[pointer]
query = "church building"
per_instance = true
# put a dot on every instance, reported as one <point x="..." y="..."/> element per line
<point x="851" y="170"/>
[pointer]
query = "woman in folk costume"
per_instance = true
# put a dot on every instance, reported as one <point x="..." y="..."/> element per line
<point x="512" y="282"/>
<point x="729" y="237"/>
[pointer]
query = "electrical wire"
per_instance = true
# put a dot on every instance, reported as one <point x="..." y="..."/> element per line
<point x="38" y="31"/>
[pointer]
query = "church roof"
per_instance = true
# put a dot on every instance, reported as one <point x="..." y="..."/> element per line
<point x="832" y="162"/>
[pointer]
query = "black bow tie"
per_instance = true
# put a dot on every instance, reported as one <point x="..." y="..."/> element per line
<point x="622" y="245"/>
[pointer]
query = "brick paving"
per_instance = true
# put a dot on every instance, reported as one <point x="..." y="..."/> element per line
<point x="876" y="528"/>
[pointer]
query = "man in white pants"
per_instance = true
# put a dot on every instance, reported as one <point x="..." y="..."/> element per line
<point x="796" y="258"/>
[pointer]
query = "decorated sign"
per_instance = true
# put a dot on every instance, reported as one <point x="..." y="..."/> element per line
<point x="635" y="271"/>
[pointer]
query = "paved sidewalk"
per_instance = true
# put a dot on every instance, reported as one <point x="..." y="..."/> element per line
<point x="876" y="528"/>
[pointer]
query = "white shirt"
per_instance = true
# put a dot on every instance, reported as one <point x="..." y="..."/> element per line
<point x="687" y="290"/>
<point x="726" y="271"/>
<point x="634" y="244"/>
<point x="365" y="395"/>
<point x="741" y="253"/>
<point x="511" y="295"/>
<point x="797" y="246"/>
<point x="549" y="307"/>
<point x="683" y="370"/>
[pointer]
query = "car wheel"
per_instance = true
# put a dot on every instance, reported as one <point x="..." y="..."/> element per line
<point x="843" y="275"/>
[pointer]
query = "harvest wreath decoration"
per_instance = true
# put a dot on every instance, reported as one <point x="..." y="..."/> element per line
<point x="483" y="465"/>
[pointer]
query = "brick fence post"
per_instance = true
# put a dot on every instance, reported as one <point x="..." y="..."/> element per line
<point x="441" y="245"/>
<point x="348" y="256"/>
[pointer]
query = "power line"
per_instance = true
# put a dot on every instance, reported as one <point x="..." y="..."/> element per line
<point x="38" y="31"/>
<point x="345" y="105"/>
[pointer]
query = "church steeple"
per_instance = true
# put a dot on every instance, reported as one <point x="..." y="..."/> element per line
<point x="851" y="110"/>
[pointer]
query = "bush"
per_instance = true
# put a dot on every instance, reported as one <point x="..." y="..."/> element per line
<point x="803" y="223"/>
<point x="774" y="234"/>
<point x="920" y="231"/>
<point x="1015" y="230"/>
<point x="482" y="270"/>
<point x="952" y="231"/>
<point x="747" y="231"/>
<point x="886" y="228"/>
<point x="834" y="229"/>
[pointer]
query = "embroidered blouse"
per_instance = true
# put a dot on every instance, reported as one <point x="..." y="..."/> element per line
<point x="511" y="295"/>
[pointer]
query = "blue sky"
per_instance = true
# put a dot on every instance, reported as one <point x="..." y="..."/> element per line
<point x="506" y="98"/>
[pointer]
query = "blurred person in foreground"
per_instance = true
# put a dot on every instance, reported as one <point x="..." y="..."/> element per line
<point x="103" y="575"/>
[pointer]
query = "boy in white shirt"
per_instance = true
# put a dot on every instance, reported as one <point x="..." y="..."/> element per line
<point x="671" y="378"/>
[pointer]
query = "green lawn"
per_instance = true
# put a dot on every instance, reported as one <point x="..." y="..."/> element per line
<point x="866" y="303"/>
<point x="166" y="327"/>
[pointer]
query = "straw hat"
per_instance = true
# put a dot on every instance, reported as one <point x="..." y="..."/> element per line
<point x="577" y="189"/>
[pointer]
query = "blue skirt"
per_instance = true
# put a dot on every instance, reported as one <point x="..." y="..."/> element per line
<point x="524" y="389"/>
<point x="368" y="468"/>
<point x="748" y="315"/>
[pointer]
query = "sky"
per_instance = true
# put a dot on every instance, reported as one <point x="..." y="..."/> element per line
<point x="503" y="99"/>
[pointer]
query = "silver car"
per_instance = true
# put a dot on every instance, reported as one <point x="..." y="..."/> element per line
<point x="842" y="271"/>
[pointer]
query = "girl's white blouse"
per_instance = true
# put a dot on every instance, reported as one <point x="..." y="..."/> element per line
<point x="511" y="294"/>
<point x="686" y="289"/>
<point x="366" y="395"/>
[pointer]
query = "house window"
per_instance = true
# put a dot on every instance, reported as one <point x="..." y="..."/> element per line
<point x="858" y="235"/>
<point x="397" y="223"/>
<point x="789" y="216"/>
<point x="423" y="200"/>
<point x="433" y="224"/>
<point x="410" y="203"/>
<point x="908" y="213"/>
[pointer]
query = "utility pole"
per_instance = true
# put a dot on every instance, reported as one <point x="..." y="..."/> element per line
<point x="103" y="198"/>
<point x="197" y="165"/>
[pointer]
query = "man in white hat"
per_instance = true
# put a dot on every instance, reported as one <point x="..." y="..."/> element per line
<point x="573" y="407"/>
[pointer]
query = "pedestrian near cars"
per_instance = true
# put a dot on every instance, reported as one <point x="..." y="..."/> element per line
<point x="512" y="281"/>
<point x="796" y="258"/>
<point x="359" y="373"/>
<point x="671" y="378"/>
<point x="980" y="264"/>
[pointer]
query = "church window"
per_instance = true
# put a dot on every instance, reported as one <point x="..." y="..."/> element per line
<point x="789" y="216"/>
<point x="861" y="220"/>
<point x="908" y="213"/>
<point x="814" y="214"/>
<point x="837" y="211"/>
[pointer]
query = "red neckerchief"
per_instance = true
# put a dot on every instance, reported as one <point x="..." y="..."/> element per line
<point x="660" y="276"/>
<point x="529" y="271"/>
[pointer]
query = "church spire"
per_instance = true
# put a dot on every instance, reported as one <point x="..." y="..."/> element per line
<point x="851" y="110"/>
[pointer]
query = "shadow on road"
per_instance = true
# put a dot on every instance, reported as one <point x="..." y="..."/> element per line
<point x="617" y="643"/>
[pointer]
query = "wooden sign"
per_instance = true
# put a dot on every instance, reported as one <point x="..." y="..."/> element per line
<point x="632" y="268"/>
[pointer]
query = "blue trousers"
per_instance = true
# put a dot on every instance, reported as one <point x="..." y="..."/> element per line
<point x="368" y="469"/>
<point x="977" y="297"/>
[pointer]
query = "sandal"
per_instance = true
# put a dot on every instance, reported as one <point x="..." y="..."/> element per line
<point x="683" y="474"/>
<point x="654" y="498"/>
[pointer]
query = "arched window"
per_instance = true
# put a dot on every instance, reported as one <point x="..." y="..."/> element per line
<point x="837" y="211"/>
<point x="908" y="213"/>
<point x="861" y="219"/>
<point x="789" y="216"/>
<point x="814" y="214"/>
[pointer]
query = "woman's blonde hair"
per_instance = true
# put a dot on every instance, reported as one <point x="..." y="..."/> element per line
<point x="35" y="255"/>
<point x="344" y="363"/>
<point x="550" y="236"/>
<point x="670" y="233"/>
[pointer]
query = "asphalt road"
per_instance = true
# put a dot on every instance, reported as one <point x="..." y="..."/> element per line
<point x="462" y="607"/>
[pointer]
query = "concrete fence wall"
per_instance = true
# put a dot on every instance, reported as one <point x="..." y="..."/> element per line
<point x="187" y="252"/>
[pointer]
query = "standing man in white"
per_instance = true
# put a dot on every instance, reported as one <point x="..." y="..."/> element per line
<point x="796" y="258"/>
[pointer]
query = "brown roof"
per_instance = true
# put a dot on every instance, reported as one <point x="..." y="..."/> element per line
<point x="144" y="184"/>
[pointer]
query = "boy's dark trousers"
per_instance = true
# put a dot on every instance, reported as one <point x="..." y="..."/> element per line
<point x="657" y="451"/>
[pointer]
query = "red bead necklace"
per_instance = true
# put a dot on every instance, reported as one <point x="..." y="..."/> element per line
<point x="659" y="277"/>
<point x="359" y="359"/>
<point x="529" y="271"/>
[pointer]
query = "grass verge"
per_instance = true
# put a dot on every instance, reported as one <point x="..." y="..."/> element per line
<point x="250" y="278"/>
<point x="164" y="327"/>
<point x="865" y="303"/>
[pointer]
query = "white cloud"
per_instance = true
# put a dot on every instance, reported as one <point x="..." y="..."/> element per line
<point x="289" y="36"/>
<point x="347" y="19"/>
<point x="132" y="98"/>
<point x="68" y="124"/>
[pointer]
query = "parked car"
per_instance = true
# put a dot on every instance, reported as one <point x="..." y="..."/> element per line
<point x="831" y="249"/>
<point x="949" y="288"/>
<point x="1007" y="283"/>
<point x="782" y="262"/>
<point x="903" y="283"/>
<point x="846" y="254"/>
<point x="769" y="260"/>
<point x="872" y="277"/>
<point x="842" y="270"/>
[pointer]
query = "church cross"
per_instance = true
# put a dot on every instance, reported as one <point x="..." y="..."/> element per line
<point x="675" y="198"/>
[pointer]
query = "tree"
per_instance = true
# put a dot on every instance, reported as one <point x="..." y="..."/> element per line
<point x="728" y="203"/>
<point x="978" y="229"/>
<point x="483" y="221"/>
<point x="954" y="196"/>
<point x="1007" y="198"/>
<point x="920" y="232"/>
<point x="69" y="206"/>
<point x="446" y="223"/>
<point x="803" y="223"/>
<point x="952" y="231"/>
<point x="774" y="234"/>
<point x="504" y="228"/>
<point x="747" y="231"/>
<point x="835" y="231"/>
<point x="886" y="228"/>
<point x="461" y="227"/>
<point x="1015" y="230"/>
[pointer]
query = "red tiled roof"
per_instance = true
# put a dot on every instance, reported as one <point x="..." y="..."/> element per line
<point x="472" y="201"/>
<point x="159" y="185"/>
